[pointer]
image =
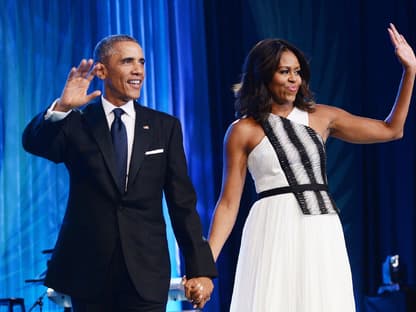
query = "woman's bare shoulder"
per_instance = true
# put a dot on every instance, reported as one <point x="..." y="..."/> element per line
<point x="244" y="125"/>
<point x="246" y="131"/>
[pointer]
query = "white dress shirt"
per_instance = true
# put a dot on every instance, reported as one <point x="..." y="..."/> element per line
<point x="129" y="119"/>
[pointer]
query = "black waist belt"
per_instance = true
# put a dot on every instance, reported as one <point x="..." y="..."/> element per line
<point x="293" y="189"/>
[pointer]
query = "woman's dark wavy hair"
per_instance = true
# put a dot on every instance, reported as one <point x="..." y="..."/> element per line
<point x="253" y="98"/>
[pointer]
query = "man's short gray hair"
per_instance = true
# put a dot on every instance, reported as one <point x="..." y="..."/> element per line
<point x="104" y="47"/>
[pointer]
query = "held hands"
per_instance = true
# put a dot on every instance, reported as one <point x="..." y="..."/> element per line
<point x="404" y="51"/>
<point x="198" y="290"/>
<point x="74" y="93"/>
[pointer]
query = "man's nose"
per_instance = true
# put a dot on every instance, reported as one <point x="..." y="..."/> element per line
<point x="138" y="68"/>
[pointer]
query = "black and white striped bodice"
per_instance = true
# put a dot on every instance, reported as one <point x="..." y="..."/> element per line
<point x="301" y="155"/>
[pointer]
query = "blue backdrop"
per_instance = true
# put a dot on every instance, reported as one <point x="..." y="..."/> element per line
<point x="194" y="50"/>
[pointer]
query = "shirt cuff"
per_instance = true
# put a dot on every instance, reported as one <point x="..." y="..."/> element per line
<point x="52" y="115"/>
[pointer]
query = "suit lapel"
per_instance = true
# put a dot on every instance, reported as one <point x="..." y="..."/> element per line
<point x="97" y="121"/>
<point x="142" y="138"/>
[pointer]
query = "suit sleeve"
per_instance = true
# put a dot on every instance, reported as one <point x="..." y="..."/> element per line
<point x="46" y="138"/>
<point x="181" y="200"/>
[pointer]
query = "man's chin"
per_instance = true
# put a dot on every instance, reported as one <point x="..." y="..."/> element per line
<point x="134" y="96"/>
<point x="131" y="97"/>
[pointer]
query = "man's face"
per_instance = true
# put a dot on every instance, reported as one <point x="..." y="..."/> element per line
<point x="123" y="73"/>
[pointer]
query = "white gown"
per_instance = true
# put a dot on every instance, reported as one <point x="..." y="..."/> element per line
<point x="289" y="261"/>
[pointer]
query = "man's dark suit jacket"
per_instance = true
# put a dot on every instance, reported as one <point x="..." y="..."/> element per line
<point x="98" y="213"/>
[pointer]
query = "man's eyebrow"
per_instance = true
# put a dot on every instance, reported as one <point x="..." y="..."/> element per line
<point x="131" y="58"/>
<point x="127" y="58"/>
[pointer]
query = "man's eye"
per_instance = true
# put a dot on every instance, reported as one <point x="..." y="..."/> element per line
<point x="126" y="61"/>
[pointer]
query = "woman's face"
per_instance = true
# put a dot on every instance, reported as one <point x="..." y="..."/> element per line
<point x="286" y="80"/>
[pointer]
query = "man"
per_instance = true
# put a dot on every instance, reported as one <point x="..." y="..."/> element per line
<point x="111" y="253"/>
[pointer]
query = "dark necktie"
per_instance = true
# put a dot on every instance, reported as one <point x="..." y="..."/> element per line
<point x="119" y="136"/>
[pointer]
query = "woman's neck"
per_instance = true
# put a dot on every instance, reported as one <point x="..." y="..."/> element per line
<point x="283" y="110"/>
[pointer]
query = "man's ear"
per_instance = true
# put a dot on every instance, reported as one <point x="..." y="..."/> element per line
<point x="100" y="71"/>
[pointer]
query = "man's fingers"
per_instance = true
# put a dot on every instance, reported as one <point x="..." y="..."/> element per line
<point x="188" y="292"/>
<point x="198" y="291"/>
<point x="189" y="287"/>
<point x="72" y="73"/>
<point x="84" y="69"/>
<point x="85" y="65"/>
<point x="202" y="303"/>
<point x="93" y="95"/>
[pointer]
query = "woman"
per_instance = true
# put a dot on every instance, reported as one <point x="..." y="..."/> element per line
<point x="293" y="255"/>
